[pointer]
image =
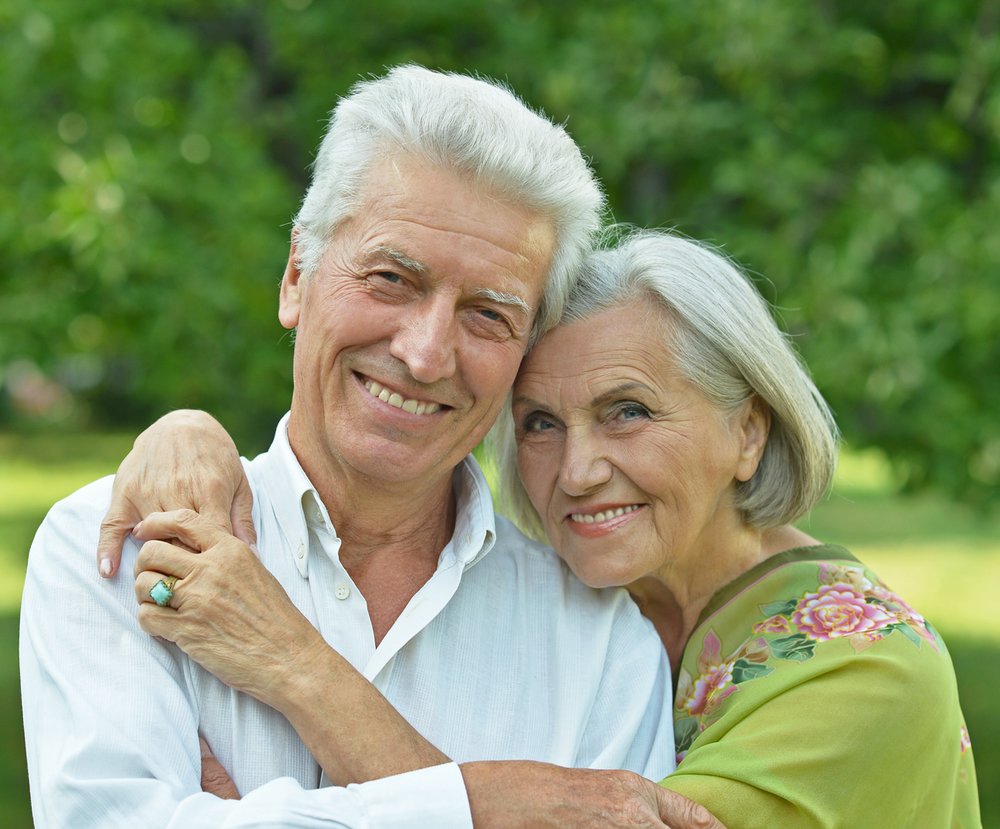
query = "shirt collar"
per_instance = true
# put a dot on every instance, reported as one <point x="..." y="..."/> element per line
<point x="296" y="503"/>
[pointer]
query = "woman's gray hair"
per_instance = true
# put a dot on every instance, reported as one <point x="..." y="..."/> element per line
<point x="474" y="126"/>
<point x="727" y="344"/>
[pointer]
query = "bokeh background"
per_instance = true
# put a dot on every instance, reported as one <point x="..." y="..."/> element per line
<point x="847" y="153"/>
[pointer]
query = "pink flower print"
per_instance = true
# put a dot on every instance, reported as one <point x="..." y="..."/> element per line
<point x="863" y="641"/>
<point x="963" y="739"/>
<point x="715" y="674"/>
<point x="904" y="612"/>
<point x="705" y="686"/>
<point x="842" y="574"/>
<point x="838" y="610"/>
<point x="775" y="624"/>
<point x="897" y="605"/>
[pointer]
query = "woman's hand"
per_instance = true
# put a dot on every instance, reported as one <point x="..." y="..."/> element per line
<point x="214" y="777"/>
<point x="184" y="460"/>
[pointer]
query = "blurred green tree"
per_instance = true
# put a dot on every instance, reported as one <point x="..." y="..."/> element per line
<point x="846" y="152"/>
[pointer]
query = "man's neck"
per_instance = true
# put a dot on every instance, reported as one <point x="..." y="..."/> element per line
<point x="391" y="535"/>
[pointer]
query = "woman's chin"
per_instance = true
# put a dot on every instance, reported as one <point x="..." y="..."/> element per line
<point x="603" y="573"/>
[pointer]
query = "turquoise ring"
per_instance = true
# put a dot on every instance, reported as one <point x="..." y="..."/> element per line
<point x="163" y="591"/>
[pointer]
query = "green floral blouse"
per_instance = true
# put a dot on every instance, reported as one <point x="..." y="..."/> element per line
<point x="811" y="695"/>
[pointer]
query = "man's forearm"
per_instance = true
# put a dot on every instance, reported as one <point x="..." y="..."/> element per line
<point x="348" y="726"/>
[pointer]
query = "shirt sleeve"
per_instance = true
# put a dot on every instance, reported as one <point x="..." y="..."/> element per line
<point x="631" y="722"/>
<point x="111" y="726"/>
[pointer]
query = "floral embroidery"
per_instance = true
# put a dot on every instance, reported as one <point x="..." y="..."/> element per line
<point x="847" y="604"/>
<point x="837" y="610"/>
<point x="773" y="624"/>
<point x="964" y="742"/>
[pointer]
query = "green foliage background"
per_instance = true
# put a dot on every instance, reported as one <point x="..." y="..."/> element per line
<point x="153" y="153"/>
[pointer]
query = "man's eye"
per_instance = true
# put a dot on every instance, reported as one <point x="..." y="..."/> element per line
<point x="491" y="315"/>
<point x="389" y="276"/>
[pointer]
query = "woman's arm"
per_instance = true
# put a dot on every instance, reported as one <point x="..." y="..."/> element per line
<point x="183" y="460"/>
<point x="233" y="617"/>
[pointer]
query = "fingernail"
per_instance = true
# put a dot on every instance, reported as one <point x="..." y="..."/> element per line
<point x="137" y="529"/>
<point x="253" y="548"/>
<point x="105" y="567"/>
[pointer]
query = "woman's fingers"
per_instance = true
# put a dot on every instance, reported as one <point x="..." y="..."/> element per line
<point x="193" y="530"/>
<point x="241" y="515"/>
<point x="214" y="777"/>
<point x="164" y="557"/>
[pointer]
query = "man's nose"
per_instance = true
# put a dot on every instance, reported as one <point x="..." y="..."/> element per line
<point x="585" y="466"/>
<point x="426" y="341"/>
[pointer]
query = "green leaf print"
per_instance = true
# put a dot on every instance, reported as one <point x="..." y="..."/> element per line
<point x="797" y="647"/>
<point x="785" y="608"/>
<point x="744" y="670"/>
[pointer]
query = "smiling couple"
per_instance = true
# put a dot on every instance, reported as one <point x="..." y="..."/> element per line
<point x="375" y="647"/>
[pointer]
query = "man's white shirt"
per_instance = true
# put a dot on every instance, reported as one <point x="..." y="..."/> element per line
<point x="502" y="654"/>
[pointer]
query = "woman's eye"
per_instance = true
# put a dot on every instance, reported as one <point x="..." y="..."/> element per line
<point x="631" y="411"/>
<point x="537" y="423"/>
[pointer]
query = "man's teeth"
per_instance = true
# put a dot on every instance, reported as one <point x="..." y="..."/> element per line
<point x="395" y="399"/>
<point x="604" y="515"/>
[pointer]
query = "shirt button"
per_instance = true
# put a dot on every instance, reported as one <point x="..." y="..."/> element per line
<point x="299" y="553"/>
<point x="342" y="591"/>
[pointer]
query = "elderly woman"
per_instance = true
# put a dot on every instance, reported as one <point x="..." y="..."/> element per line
<point x="665" y="437"/>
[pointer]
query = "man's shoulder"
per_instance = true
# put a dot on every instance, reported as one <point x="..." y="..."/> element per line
<point x="532" y="570"/>
<point x="62" y="555"/>
<point x="84" y="507"/>
<point x="512" y="550"/>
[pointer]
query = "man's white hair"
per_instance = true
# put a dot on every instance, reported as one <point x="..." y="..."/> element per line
<point x="473" y="126"/>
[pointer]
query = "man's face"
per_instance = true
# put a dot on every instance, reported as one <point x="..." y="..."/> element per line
<point x="411" y="330"/>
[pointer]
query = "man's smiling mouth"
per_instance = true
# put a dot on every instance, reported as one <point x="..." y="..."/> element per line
<point x="411" y="405"/>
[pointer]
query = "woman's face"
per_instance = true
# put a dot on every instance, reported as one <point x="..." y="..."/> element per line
<point x="628" y="464"/>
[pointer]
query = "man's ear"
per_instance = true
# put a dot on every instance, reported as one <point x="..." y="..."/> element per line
<point x="754" y="425"/>
<point x="290" y="298"/>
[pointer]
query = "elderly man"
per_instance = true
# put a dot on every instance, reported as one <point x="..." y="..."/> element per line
<point x="437" y="238"/>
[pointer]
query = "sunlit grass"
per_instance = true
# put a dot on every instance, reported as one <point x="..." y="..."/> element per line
<point x="35" y="472"/>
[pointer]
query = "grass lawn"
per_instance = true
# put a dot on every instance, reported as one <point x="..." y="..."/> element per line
<point x="942" y="558"/>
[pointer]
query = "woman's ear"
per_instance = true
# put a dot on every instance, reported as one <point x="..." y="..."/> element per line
<point x="754" y="425"/>
<point x="290" y="298"/>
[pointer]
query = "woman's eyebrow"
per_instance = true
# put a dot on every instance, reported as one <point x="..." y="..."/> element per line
<point x="523" y="400"/>
<point x="621" y="390"/>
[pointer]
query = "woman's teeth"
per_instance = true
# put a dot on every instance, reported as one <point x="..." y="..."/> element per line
<point x="604" y="515"/>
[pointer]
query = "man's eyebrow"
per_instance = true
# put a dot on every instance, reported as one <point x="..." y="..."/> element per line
<point x="503" y="298"/>
<point x="401" y="259"/>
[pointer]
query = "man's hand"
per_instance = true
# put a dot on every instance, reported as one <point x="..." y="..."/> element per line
<point x="185" y="460"/>
<point x="522" y="794"/>
<point x="214" y="778"/>
<point x="225" y="609"/>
